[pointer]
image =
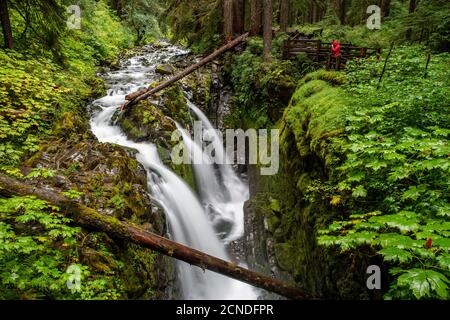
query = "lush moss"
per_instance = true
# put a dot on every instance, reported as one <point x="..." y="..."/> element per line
<point x="311" y="128"/>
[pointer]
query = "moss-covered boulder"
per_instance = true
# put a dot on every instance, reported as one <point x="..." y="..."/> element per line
<point x="165" y="69"/>
<point x="154" y="121"/>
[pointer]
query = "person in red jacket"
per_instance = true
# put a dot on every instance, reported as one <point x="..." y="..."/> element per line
<point x="336" y="49"/>
<point x="336" y="53"/>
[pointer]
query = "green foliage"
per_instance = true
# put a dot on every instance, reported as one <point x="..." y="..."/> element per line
<point x="428" y="24"/>
<point x="73" y="194"/>
<point x="423" y="283"/>
<point x="142" y="17"/>
<point x="35" y="91"/>
<point x="397" y="169"/>
<point x="37" y="245"/>
<point x="261" y="89"/>
<point x="196" y="23"/>
<point x="29" y="98"/>
<point x="117" y="201"/>
<point x="317" y="112"/>
<point x="101" y="38"/>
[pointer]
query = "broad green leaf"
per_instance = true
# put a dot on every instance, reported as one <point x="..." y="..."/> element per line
<point x="395" y="254"/>
<point x="423" y="283"/>
<point x="402" y="221"/>
<point x="359" y="192"/>
<point x="396" y="240"/>
<point x="413" y="192"/>
<point x="443" y="243"/>
<point x="444" y="261"/>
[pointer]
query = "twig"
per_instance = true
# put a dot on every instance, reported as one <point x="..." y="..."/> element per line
<point x="385" y="64"/>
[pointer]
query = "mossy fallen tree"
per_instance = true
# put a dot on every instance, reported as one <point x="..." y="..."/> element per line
<point x="91" y="219"/>
<point x="142" y="94"/>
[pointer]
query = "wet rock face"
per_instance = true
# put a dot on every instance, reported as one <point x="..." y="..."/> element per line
<point x="108" y="179"/>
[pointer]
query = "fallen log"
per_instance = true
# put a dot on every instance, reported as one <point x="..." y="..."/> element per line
<point x="91" y="219"/>
<point x="134" y="97"/>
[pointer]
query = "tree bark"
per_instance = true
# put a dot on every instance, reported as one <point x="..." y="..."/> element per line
<point x="137" y="96"/>
<point x="255" y="17"/>
<point x="6" y="24"/>
<point x="314" y="13"/>
<point x="412" y="6"/>
<point x="228" y="19"/>
<point x="385" y="8"/>
<point x="284" y="15"/>
<point x="341" y="10"/>
<point x="267" y="35"/>
<point x="239" y="16"/>
<point x="91" y="219"/>
<point x="412" y="9"/>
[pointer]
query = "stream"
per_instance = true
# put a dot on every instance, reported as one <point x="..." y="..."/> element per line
<point x="196" y="219"/>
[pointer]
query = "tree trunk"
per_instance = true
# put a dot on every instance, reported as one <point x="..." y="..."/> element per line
<point x="6" y="24"/>
<point x="412" y="9"/>
<point x="91" y="219"/>
<point x="228" y="20"/>
<point x="239" y="16"/>
<point x="412" y="6"/>
<point x="137" y="96"/>
<point x="255" y="17"/>
<point x="314" y="12"/>
<point x="341" y="10"/>
<point x="267" y="35"/>
<point x="385" y="8"/>
<point x="284" y="15"/>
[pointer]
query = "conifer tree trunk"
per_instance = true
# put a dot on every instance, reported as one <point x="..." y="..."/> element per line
<point x="239" y="16"/>
<point x="255" y="17"/>
<point x="412" y="9"/>
<point x="284" y="15"/>
<point x="412" y="6"/>
<point x="228" y="20"/>
<point x="341" y="10"/>
<point x="6" y="24"/>
<point x="267" y="35"/>
<point x="385" y="8"/>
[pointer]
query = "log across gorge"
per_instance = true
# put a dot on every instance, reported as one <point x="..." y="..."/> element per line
<point x="137" y="96"/>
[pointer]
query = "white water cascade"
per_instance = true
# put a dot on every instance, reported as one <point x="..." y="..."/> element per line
<point x="188" y="219"/>
<point x="225" y="198"/>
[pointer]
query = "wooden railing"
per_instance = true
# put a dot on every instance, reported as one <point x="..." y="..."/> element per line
<point x="321" y="52"/>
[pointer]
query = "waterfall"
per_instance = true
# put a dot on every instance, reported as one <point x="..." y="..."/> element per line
<point x="230" y="206"/>
<point x="189" y="222"/>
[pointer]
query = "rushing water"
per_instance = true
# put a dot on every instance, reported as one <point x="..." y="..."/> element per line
<point x="194" y="220"/>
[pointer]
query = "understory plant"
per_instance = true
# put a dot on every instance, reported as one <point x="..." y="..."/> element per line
<point x="394" y="182"/>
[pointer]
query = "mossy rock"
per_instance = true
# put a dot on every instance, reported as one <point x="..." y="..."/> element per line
<point x="165" y="69"/>
<point x="284" y="256"/>
<point x="146" y="122"/>
<point x="334" y="78"/>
